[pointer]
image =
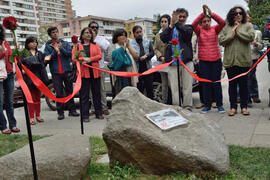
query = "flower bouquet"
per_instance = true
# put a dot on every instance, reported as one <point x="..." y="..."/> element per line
<point x="10" y="23"/>
<point x="175" y="49"/>
<point x="77" y="54"/>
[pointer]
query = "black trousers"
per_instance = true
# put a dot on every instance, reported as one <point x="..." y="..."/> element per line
<point x="63" y="87"/>
<point x="146" y="82"/>
<point x="242" y="82"/>
<point x="212" y="71"/>
<point x="94" y="84"/>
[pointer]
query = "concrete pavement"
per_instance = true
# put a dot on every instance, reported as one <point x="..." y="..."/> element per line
<point x="249" y="131"/>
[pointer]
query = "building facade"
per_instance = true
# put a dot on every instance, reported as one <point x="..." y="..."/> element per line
<point x="147" y="25"/>
<point x="70" y="27"/>
<point x="26" y="13"/>
<point x="50" y="11"/>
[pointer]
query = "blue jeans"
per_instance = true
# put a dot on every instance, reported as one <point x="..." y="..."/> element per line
<point x="8" y="86"/>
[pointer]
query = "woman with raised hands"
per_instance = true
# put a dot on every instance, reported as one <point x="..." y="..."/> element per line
<point x="236" y="38"/>
<point x="209" y="56"/>
<point x="90" y="77"/>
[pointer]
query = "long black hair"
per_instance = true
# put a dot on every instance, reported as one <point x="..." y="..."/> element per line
<point x="29" y="40"/>
<point x="92" y="38"/>
<point x="2" y="34"/>
<point x="232" y="13"/>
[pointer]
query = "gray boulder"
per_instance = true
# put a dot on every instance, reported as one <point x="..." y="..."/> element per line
<point x="197" y="147"/>
<point x="57" y="157"/>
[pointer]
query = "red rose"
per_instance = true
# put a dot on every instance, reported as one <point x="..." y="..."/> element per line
<point x="10" y="23"/>
<point x="268" y="26"/>
<point x="74" y="39"/>
<point x="174" y="42"/>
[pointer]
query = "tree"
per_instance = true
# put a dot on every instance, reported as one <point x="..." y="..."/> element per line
<point x="43" y="35"/>
<point x="259" y="10"/>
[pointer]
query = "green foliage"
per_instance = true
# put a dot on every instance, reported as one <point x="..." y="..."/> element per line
<point x="9" y="144"/>
<point x="245" y="163"/>
<point x="18" y="53"/>
<point x="259" y="10"/>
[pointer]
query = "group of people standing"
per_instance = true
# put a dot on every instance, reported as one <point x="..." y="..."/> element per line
<point x="237" y="35"/>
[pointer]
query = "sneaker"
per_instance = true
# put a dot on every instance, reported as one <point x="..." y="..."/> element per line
<point x="205" y="110"/>
<point x="221" y="110"/>
<point x="73" y="113"/>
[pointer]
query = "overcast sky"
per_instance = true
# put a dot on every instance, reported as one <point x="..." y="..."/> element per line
<point x="125" y="9"/>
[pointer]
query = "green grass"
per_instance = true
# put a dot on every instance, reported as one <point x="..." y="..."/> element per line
<point x="10" y="143"/>
<point x="246" y="163"/>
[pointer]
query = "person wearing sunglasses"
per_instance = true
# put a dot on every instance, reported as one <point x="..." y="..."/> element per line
<point x="104" y="45"/>
<point x="236" y="37"/>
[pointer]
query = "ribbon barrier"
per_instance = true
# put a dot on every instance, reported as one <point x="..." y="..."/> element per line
<point x="45" y="90"/>
<point x="240" y="75"/>
<point x="42" y="87"/>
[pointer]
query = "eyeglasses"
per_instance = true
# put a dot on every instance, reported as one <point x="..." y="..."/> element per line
<point x="240" y="13"/>
<point x="94" y="27"/>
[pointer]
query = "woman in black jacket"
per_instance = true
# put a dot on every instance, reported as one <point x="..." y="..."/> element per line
<point x="35" y="63"/>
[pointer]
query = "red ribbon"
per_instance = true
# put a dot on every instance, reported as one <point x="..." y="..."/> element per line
<point x="23" y="85"/>
<point x="240" y="75"/>
<point x="131" y="74"/>
<point x="42" y="87"/>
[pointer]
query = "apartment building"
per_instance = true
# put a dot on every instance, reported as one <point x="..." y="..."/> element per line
<point x="50" y="11"/>
<point x="67" y="28"/>
<point x="147" y="24"/>
<point x="26" y="13"/>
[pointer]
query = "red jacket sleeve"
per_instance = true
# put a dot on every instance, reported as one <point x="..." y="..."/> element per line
<point x="96" y="52"/>
<point x="220" y="21"/>
<point x="196" y="22"/>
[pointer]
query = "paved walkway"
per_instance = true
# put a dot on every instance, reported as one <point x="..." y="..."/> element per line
<point x="253" y="130"/>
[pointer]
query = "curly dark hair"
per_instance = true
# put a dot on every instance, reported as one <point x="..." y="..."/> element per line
<point x="91" y="40"/>
<point x="168" y="17"/>
<point x="117" y="33"/>
<point x="2" y="34"/>
<point x="231" y="14"/>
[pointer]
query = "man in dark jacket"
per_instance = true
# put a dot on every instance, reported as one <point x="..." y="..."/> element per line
<point x="178" y="29"/>
<point x="58" y="55"/>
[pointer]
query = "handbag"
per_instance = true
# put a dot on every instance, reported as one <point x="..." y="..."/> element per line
<point x="120" y="59"/>
<point x="31" y="62"/>
<point x="3" y="70"/>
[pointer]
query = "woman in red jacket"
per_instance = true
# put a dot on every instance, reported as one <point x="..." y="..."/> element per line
<point x="6" y="85"/>
<point x="209" y="55"/>
<point x="90" y="77"/>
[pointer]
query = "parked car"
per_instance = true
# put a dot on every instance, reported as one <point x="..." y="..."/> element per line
<point x="52" y="104"/>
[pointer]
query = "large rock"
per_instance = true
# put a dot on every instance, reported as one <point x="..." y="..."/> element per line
<point x="58" y="157"/>
<point x="197" y="147"/>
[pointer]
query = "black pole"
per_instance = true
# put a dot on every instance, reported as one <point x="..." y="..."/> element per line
<point x="30" y="139"/>
<point x="82" y="129"/>
<point x="179" y="83"/>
